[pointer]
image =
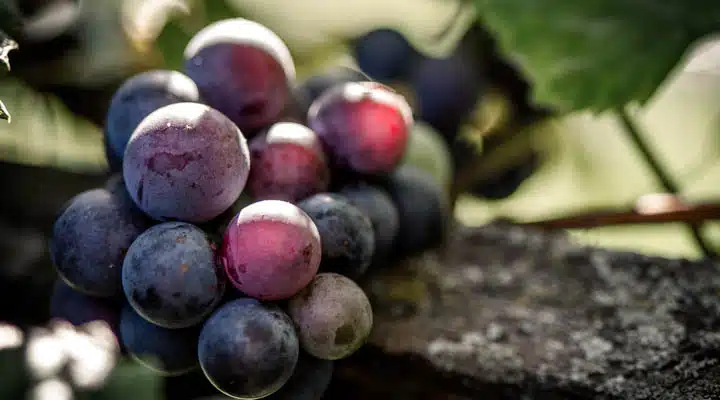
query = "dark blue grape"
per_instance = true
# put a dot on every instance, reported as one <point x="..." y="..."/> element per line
<point x="243" y="70"/>
<point x="136" y="99"/>
<point x="309" y="381"/>
<point x="248" y="349"/>
<point x="170" y="276"/>
<point x="378" y="206"/>
<point x="90" y="238"/>
<point x="384" y="54"/>
<point x="346" y="234"/>
<point x="447" y="91"/>
<point x="422" y="209"/>
<point x="167" y="351"/>
<point x="314" y="86"/>
<point x="79" y="309"/>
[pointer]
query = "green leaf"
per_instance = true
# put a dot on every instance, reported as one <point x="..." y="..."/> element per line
<point x="46" y="133"/>
<point x="598" y="54"/>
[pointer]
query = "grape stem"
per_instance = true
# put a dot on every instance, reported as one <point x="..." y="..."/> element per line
<point x="632" y="131"/>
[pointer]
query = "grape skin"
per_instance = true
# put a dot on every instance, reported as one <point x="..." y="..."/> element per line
<point x="333" y="316"/>
<point x="271" y="250"/>
<point x="289" y="164"/>
<point x="377" y="205"/>
<point x="248" y="349"/>
<point x="187" y="162"/>
<point x="243" y="70"/>
<point x="135" y="99"/>
<point x="169" y="352"/>
<point x="316" y="85"/>
<point x="384" y="54"/>
<point x="447" y="91"/>
<point x="422" y="209"/>
<point x="309" y="381"/>
<point x="346" y="234"/>
<point x="363" y="125"/>
<point x="170" y="276"/>
<point x="90" y="238"/>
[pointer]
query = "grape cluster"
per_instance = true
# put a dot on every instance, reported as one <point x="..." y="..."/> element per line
<point x="244" y="211"/>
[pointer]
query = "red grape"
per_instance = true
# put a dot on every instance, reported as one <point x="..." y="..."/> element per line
<point x="271" y="250"/>
<point x="242" y="69"/>
<point x="289" y="164"/>
<point x="363" y="125"/>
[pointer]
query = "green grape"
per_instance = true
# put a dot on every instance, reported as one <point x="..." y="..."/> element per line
<point x="428" y="151"/>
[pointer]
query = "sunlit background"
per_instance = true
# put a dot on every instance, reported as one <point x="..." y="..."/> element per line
<point x="76" y="54"/>
<point x="587" y="161"/>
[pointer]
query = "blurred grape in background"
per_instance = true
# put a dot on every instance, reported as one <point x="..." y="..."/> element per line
<point x="477" y="133"/>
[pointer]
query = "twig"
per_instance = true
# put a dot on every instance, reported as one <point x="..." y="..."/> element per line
<point x="633" y="133"/>
<point x="694" y="214"/>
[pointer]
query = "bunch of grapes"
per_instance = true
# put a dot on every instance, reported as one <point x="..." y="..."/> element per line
<point x="239" y="221"/>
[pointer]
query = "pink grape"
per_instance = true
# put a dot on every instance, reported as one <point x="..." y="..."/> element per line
<point x="289" y="164"/>
<point x="271" y="250"/>
<point x="363" y="125"/>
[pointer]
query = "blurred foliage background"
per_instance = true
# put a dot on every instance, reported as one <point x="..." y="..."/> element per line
<point x="75" y="53"/>
<point x="514" y="158"/>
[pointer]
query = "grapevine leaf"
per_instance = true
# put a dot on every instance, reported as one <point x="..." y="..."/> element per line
<point x="597" y="54"/>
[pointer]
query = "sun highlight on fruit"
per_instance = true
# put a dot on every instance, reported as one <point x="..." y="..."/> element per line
<point x="363" y="125"/>
<point x="242" y="69"/>
<point x="271" y="250"/>
<point x="187" y="162"/>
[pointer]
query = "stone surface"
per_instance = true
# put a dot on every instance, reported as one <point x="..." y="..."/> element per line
<point x="510" y="312"/>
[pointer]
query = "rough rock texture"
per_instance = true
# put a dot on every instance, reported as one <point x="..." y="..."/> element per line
<point x="514" y="313"/>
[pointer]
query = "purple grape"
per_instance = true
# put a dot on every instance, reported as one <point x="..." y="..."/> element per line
<point x="289" y="164"/>
<point x="422" y="209"/>
<point x="186" y="161"/>
<point x="363" y="125"/>
<point x="90" y="238"/>
<point x="379" y="207"/>
<point x="271" y="250"/>
<point x="166" y="351"/>
<point x="170" y="276"/>
<point x="248" y="349"/>
<point x="346" y="234"/>
<point x="333" y="316"/>
<point x="79" y="309"/>
<point x="136" y="99"/>
<point x="309" y="381"/>
<point x="243" y="70"/>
